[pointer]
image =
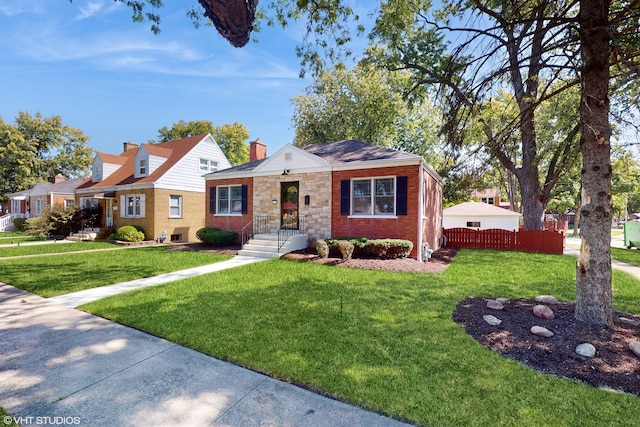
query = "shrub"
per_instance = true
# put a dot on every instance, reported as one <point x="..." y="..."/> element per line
<point x="346" y="249"/>
<point x="106" y="233"/>
<point x="322" y="249"/>
<point x="215" y="236"/>
<point x="390" y="248"/>
<point x="128" y="233"/>
<point x="378" y="248"/>
<point x="19" y="223"/>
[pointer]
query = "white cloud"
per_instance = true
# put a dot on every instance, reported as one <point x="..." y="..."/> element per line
<point x="89" y="10"/>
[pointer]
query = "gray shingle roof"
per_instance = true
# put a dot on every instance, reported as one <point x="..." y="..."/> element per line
<point x="355" y="151"/>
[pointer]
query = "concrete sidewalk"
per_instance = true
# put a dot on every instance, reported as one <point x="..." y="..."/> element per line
<point x="60" y="366"/>
<point x="76" y="299"/>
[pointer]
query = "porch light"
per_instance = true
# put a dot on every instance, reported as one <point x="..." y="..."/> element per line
<point x="274" y="201"/>
<point x="285" y="172"/>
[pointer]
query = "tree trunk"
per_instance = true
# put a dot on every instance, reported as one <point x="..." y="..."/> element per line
<point x="594" y="300"/>
<point x="532" y="203"/>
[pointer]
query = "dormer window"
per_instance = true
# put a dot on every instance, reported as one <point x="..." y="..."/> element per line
<point x="142" y="166"/>
<point x="97" y="172"/>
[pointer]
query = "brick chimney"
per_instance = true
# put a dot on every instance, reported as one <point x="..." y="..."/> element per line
<point x="257" y="150"/>
<point x="59" y="178"/>
<point x="128" y="145"/>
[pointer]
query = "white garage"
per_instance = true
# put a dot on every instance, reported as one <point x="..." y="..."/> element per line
<point x="479" y="216"/>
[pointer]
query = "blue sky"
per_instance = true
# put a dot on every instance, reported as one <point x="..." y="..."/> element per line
<point x="113" y="79"/>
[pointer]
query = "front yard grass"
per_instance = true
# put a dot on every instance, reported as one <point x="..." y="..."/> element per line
<point x="384" y="341"/>
<point x="54" y="248"/>
<point x="76" y="271"/>
<point x="630" y="256"/>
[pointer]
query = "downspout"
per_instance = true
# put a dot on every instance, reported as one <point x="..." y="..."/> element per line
<point x="421" y="173"/>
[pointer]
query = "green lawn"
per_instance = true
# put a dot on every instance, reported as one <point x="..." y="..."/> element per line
<point x="382" y="340"/>
<point x="630" y="256"/>
<point x="56" y="275"/>
<point x="54" y="248"/>
<point x="11" y="237"/>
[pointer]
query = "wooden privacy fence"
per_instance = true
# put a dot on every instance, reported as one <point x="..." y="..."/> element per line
<point x="545" y="241"/>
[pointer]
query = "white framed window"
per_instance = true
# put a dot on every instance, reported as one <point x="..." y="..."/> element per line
<point x="68" y="203"/>
<point x="373" y="196"/>
<point x="474" y="224"/>
<point x="175" y="206"/>
<point x="229" y="200"/>
<point x="142" y="166"/>
<point x="38" y="207"/>
<point x="207" y="165"/>
<point x="132" y="206"/>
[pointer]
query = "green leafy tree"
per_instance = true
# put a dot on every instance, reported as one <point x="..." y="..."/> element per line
<point x="35" y="149"/>
<point x="229" y="137"/>
<point x="184" y="129"/>
<point x="365" y="104"/>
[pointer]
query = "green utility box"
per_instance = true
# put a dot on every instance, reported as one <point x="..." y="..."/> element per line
<point x="632" y="234"/>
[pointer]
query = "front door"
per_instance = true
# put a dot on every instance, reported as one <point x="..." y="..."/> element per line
<point x="289" y="205"/>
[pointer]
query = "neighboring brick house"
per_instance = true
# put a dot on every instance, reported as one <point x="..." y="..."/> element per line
<point x="30" y="203"/>
<point x="159" y="187"/>
<point x="340" y="189"/>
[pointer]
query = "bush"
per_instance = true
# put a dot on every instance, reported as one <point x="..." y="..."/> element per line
<point x="346" y="249"/>
<point x="19" y="223"/>
<point x="378" y="248"/>
<point x="322" y="249"/>
<point x="128" y="233"/>
<point x="215" y="236"/>
<point x="106" y="233"/>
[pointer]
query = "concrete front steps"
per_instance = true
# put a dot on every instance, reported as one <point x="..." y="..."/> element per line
<point x="88" y="234"/>
<point x="266" y="245"/>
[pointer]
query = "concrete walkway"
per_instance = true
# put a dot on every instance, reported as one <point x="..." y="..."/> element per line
<point x="76" y="299"/>
<point x="60" y="366"/>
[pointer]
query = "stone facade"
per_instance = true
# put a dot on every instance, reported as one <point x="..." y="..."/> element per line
<point x="317" y="215"/>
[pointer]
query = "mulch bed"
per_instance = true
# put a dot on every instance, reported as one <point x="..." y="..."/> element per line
<point x="614" y="366"/>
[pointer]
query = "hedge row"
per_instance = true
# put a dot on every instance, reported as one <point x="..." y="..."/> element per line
<point x="378" y="248"/>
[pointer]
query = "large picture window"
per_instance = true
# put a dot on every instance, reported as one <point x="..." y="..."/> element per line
<point x="229" y="200"/>
<point x="373" y="196"/>
<point x="175" y="206"/>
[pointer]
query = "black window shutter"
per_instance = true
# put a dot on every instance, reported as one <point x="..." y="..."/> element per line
<point x="401" y="196"/>
<point x="245" y="199"/>
<point x="212" y="200"/>
<point x="345" y="195"/>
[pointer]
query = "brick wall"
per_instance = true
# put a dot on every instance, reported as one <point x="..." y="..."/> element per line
<point x="228" y="222"/>
<point x="379" y="227"/>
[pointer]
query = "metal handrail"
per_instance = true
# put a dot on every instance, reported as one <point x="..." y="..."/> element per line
<point x="285" y="231"/>
<point x="258" y="224"/>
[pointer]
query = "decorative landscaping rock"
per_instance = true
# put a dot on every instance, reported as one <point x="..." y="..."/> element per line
<point x="495" y="305"/>
<point x="503" y="300"/>
<point x="634" y="346"/>
<point x="546" y="299"/>
<point x="586" y="350"/>
<point x="543" y="312"/>
<point x="541" y="331"/>
<point x="629" y="322"/>
<point x="492" y="320"/>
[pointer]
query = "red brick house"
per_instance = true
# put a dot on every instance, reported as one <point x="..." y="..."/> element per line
<point x="340" y="189"/>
